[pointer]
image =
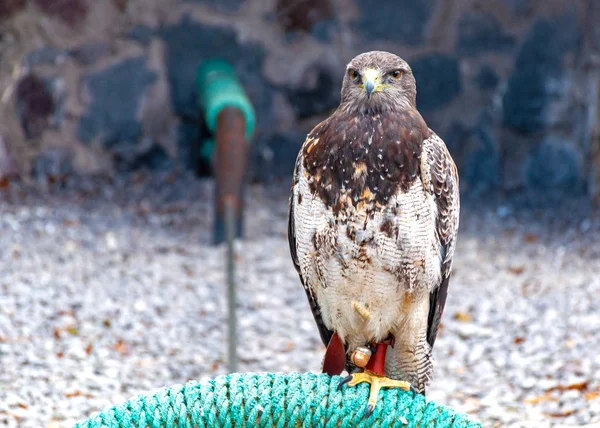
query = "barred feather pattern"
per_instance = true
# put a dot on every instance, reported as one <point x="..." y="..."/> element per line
<point x="373" y="219"/>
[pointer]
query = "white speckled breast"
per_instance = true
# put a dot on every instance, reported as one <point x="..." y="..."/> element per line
<point x="384" y="260"/>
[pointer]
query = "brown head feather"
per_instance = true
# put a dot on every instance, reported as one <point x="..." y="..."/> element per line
<point x="398" y="92"/>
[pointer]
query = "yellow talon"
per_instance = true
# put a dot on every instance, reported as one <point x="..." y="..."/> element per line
<point x="377" y="382"/>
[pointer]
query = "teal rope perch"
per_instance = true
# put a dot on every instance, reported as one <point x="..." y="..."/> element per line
<point x="275" y="400"/>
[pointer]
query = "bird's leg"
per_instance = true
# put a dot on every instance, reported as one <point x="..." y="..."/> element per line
<point x="374" y="374"/>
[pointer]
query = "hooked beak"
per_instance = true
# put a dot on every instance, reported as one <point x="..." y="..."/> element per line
<point x="371" y="81"/>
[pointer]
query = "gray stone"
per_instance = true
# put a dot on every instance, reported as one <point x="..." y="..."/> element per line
<point x="189" y="43"/>
<point x="304" y="16"/>
<point x="9" y="8"/>
<point x="58" y="90"/>
<point x="482" y="32"/>
<point x="323" y="30"/>
<point x="318" y="100"/>
<point x="438" y="80"/>
<point x="521" y="7"/>
<point x="455" y="137"/>
<point x="398" y="20"/>
<point x="8" y="167"/>
<point x="48" y="55"/>
<point x="554" y="166"/>
<point x="276" y="158"/>
<point x="116" y="94"/>
<point x="53" y="164"/>
<point x="155" y="158"/>
<point x="189" y="140"/>
<point x="35" y="105"/>
<point x="220" y="5"/>
<point x="538" y="78"/>
<point x="71" y="12"/>
<point x="90" y="53"/>
<point x="142" y="34"/>
<point x="487" y="78"/>
<point x="482" y="168"/>
<point x="195" y="147"/>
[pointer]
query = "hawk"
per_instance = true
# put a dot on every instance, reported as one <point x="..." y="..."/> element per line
<point x="373" y="219"/>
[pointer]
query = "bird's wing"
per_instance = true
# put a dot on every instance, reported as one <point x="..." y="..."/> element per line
<point x="314" y="305"/>
<point x="440" y="179"/>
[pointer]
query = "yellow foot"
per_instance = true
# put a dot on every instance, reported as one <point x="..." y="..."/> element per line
<point x="377" y="382"/>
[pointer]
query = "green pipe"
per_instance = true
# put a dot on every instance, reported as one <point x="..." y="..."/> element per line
<point x="275" y="400"/>
<point x="230" y="118"/>
<point x="217" y="88"/>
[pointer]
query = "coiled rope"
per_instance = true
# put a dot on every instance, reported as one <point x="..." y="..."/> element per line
<point x="275" y="400"/>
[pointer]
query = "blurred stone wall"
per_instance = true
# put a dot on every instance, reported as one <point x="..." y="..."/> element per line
<point x="97" y="86"/>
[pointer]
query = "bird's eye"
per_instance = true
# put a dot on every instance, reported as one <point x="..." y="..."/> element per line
<point x="396" y="74"/>
<point x="353" y="75"/>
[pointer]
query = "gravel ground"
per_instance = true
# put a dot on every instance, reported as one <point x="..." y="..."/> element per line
<point x="110" y="288"/>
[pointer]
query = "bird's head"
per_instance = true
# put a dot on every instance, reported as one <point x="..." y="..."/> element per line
<point x="378" y="81"/>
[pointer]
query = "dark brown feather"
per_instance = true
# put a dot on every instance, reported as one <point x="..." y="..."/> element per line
<point x="358" y="153"/>
<point x="443" y="183"/>
<point x="437" y="301"/>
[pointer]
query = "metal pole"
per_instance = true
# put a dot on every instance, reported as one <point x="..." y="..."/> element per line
<point x="230" y="221"/>
<point x="230" y="165"/>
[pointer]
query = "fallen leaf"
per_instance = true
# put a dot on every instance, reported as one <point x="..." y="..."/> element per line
<point x="120" y="347"/>
<point x="530" y="238"/>
<point x="73" y="330"/>
<point x="516" y="270"/>
<point x="121" y="5"/>
<point x="172" y="178"/>
<point x="537" y="400"/>
<point x="77" y="393"/>
<point x="189" y="271"/>
<point x="138" y="178"/>
<point x="88" y="349"/>
<point x="518" y="339"/>
<point x="531" y="287"/>
<point x="579" y="386"/>
<point x="589" y="396"/>
<point x="562" y="414"/>
<point x="570" y="343"/>
<point x="463" y="317"/>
